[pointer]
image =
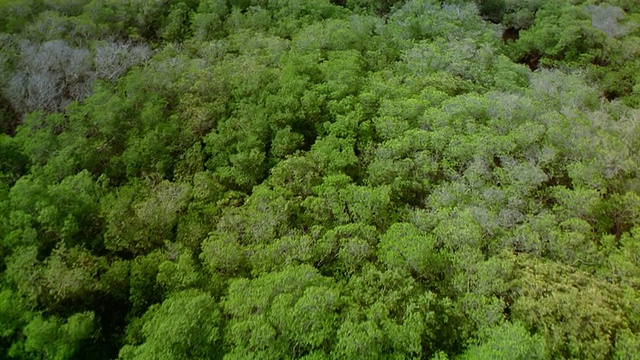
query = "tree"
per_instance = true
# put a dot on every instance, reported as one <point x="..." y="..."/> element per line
<point x="177" y="23"/>
<point x="291" y="313"/>
<point x="49" y="76"/>
<point x="16" y="14"/>
<point x="508" y="341"/>
<point x="139" y="219"/>
<point x="405" y="248"/>
<point x="14" y="315"/>
<point x="511" y="13"/>
<point x="376" y="7"/>
<point x="574" y="312"/>
<point x="54" y="338"/>
<point x="208" y="19"/>
<point x="184" y="326"/>
<point x="560" y="34"/>
<point x="430" y="20"/>
<point x="113" y="59"/>
<point x="70" y="279"/>
<point x="386" y="315"/>
<point x="144" y="288"/>
<point x="179" y="271"/>
<point x="606" y="18"/>
<point x="13" y="162"/>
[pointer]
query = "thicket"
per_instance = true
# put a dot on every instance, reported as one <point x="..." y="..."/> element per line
<point x="347" y="179"/>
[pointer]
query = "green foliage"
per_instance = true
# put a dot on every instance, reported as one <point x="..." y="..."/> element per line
<point x="387" y="314"/>
<point x="290" y="313"/>
<point x="319" y="179"/>
<point x="429" y="19"/>
<point x="208" y="20"/>
<point x="179" y="271"/>
<point x="14" y="315"/>
<point x="508" y="341"/>
<point x="16" y="14"/>
<point x="560" y="33"/>
<point x="184" y="326"/>
<point x="70" y="276"/>
<point x="153" y="212"/>
<point x="370" y="6"/>
<point x="511" y="13"/>
<point x="545" y="293"/>
<point x="144" y="289"/>
<point x="403" y="247"/>
<point x="53" y="338"/>
<point x="177" y="23"/>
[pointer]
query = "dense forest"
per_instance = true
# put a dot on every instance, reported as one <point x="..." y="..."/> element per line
<point x="316" y="179"/>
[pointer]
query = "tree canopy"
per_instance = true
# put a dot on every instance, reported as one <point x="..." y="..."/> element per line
<point x="319" y="179"/>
